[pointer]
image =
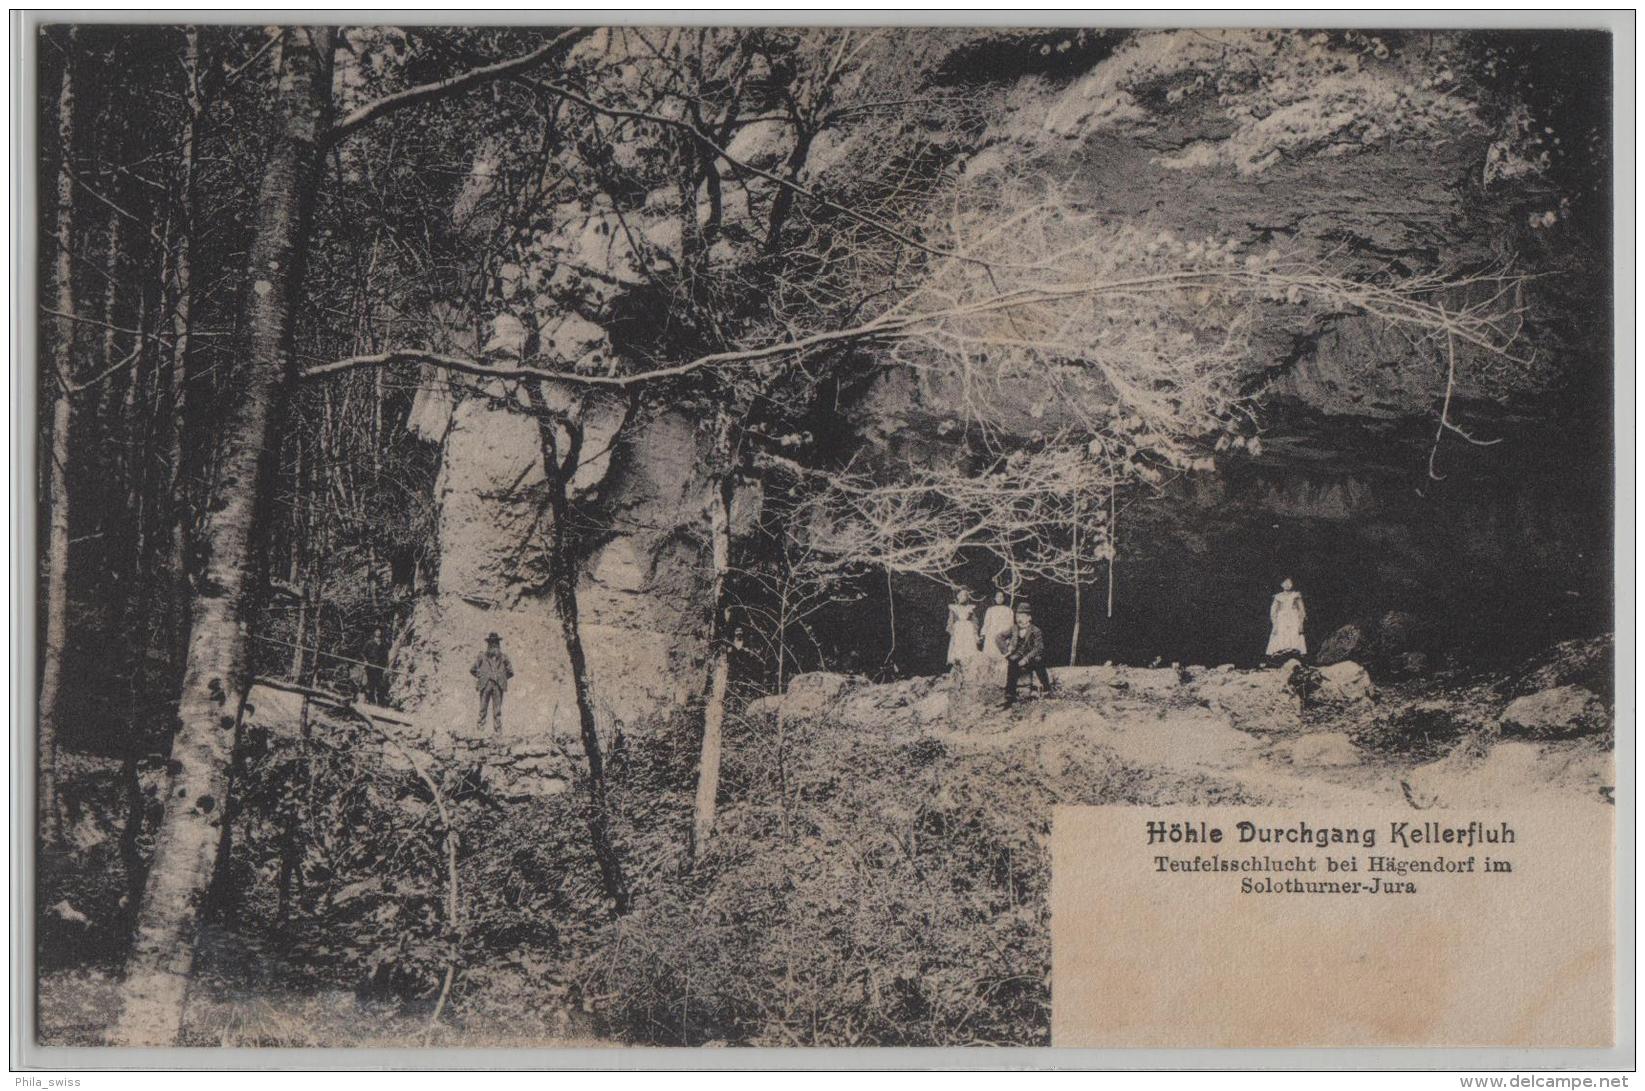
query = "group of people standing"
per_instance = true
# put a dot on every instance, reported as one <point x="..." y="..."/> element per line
<point x="1006" y="636"/>
<point x="1010" y="636"/>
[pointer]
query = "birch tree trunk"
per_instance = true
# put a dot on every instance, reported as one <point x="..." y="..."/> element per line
<point x="57" y="501"/>
<point x="215" y="667"/>
<point x="57" y="563"/>
<point x="182" y="326"/>
<point x="719" y="679"/>
<point x="111" y="346"/>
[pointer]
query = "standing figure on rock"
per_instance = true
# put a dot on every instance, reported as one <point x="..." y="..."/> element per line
<point x="491" y="671"/>
<point x="997" y="624"/>
<point x="1286" y="615"/>
<point x="1025" y="652"/>
<point x="962" y="629"/>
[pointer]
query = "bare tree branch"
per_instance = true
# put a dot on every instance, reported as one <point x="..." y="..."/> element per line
<point x="411" y="96"/>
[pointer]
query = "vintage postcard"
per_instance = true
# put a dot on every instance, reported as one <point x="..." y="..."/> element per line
<point x="628" y="536"/>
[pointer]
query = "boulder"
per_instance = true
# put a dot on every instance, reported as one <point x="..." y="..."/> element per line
<point x="763" y="707"/>
<point x="885" y="706"/>
<point x="1347" y="681"/>
<point x="1397" y="632"/>
<point x="1588" y="663"/>
<point x="1336" y="684"/>
<point x="1258" y="699"/>
<point x="1343" y="644"/>
<point x="1560" y="712"/>
<point x="1386" y="640"/>
<point x="809" y="694"/>
<point x="1408" y="664"/>
<point x="1331" y="749"/>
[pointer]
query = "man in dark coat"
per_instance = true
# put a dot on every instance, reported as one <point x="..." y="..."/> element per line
<point x="1024" y="651"/>
<point x="491" y="671"/>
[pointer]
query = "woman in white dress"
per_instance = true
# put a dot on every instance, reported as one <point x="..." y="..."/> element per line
<point x="998" y="621"/>
<point x="1286" y="615"/>
<point x="962" y="628"/>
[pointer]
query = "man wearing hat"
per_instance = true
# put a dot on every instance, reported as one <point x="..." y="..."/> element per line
<point x="491" y="671"/>
<point x="1024" y="653"/>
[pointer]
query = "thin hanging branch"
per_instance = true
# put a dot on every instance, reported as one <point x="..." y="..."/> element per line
<point x="1445" y="423"/>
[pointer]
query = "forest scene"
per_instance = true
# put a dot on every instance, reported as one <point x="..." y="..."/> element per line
<point x="622" y="536"/>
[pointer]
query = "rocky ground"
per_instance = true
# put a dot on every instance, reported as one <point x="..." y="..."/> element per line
<point x="885" y="844"/>
<point x="1291" y="734"/>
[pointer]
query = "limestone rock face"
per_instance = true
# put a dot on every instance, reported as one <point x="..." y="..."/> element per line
<point x="640" y="590"/>
<point x="1556" y="713"/>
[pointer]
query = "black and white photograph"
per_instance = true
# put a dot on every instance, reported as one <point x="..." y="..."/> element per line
<point x="584" y="536"/>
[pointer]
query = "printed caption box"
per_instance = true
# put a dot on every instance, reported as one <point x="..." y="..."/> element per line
<point x="1250" y="926"/>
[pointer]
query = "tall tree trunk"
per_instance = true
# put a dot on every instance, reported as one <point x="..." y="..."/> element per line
<point x="110" y="407"/>
<point x="216" y="663"/>
<point x="57" y="499"/>
<point x="719" y="678"/>
<point x="1074" y="640"/>
<point x="57" y="564"/>
<point x="558" y="470"/>
<point x="137" y="432"/>
<point x="1113" y="546"/>
<point x="182" y="316"/>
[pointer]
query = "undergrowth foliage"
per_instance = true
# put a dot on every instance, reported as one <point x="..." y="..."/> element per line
<point x="884" y="886"/>
<point x="882" y="894"/>
<point x="341" y="855"/>
<point x="886" y="901"/>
